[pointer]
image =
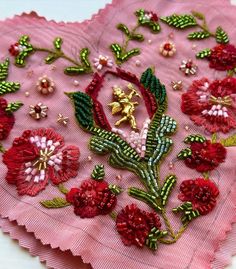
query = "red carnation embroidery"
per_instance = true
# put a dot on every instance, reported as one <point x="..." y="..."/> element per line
<point x="91" y="199"/>
<point x="16" y="49"/>
<point x="205" y="156"/>
<point x="201" y="193"/>
<point x="37" y="157"/>
<point x="134" y="225"/>
<point x="7" y="120"/>
<point x="223" y="57"/>
<point x="212" y="105"/>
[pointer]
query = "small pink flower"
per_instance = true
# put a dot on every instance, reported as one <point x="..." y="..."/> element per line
<point x="45" y="85"/>
<point x="188" y="67"/>
<point x="102" y="61"/>
<point x="167" y="49"/>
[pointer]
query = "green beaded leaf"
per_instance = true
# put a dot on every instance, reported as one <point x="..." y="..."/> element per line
<point x="121" y="56"/>
<point x="83" y="68"/>
<point x="51" y="58"/>
<point x="57" y="43"/>
<point x="154" y="26"/>
<point x="184" y="153"/>
<point x="199" y="35"/>
<point x="203" y="54"/>
<point x="167" y="187"/>
<point x="83" y="108"/>
<point x="137" y="37"/>
<point x="187" y="211"/>
<point x="123" y="28"/>
<point x="229" y="141"/>
<point x="63" y="189"/>
<point x="180" y="21"/>
<point x="153" y="237"/>
<point x="14" y="106"/>
<point x="4" y="70"/>
<point x="221" y="36"/>
<point x="195" y="138"/>
<point x="8" y="87"/>
<point x="56" y="202"/>
<point x="98" y="172"/>
<point x="115" y="189"/>
<point x="27" y="50"/>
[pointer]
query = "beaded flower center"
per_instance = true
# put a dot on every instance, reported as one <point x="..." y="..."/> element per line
<point x="37" y="169"/>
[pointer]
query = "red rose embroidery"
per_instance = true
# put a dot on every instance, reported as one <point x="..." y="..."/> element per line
<point x="201" y="193"/>
<point x="35" y="158"/>
<point x="212" y="105"/>
<point x="205" y="156"/>
<point x="134" y="225"/>
<point x="7" y="120"/>
<point x="91" y="199"/>
<point x="223" y="57"/>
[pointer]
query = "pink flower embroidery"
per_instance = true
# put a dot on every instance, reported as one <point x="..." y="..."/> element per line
<point x="212" y="105"/>
<point x="35" y="158"/>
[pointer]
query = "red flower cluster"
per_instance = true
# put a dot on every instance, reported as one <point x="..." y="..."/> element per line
<point x="223" y="57"/>
<point x="7" y="120"/>
<point x="212" y="105"/>
<point x="91" y="199"/>
<point x="205" y="156"/>
<point x="201" y="193"/>
<point x="134" y="225"/>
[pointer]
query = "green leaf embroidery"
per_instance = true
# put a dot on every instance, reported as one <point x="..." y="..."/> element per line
<point x="28" y="49"/>
<point x="180" y="21"/>
<point x="188" y="213"/>
<point x="12" y="107"/>
<point x="83" y="108"/>
<point x="98" y="172"/>
<point x="199" y="35"/>
<point x="56" y="202"/>
<point x="167" y="187"/>
<point x="195" y="138"/>
<point x="121" y="56"/>
<point x="143" y="21"/>
<point x="184" y="153"/>
<point x="8" y="87"/>
<point x="57" y="43"/>
<point x="229" y="142"/>
<point x="4" y="70"/>
<point x="137" y="37"/>
<point x="221" y="36"/>
<point x="62" y="189"/>
<point x="123" y="29"/>
<point x="153" y="236"/>
<point x="203" y="54"/>
<point x="115" y="189"/>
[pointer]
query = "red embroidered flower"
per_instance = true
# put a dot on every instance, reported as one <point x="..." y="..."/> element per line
<point x="201" y="193"/>
<point x="134" y="225"/>
<point x="212" y="105"/>
<point x="223" y="57"/>
<point x="16" y="48"/>
<point x="91" y="199"/>
<point x="205" y="156"/>
<point x="34" y="159"/>
<point x="7" y="120"/>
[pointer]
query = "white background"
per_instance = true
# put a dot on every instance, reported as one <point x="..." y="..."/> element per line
<point x="11" y="255"/>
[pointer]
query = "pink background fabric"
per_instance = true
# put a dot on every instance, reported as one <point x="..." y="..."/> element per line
<point x="49" y="233"/>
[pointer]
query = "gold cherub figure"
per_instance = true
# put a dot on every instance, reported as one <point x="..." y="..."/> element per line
<point x="123" y="104"/>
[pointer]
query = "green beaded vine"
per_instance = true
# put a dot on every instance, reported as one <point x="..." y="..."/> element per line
<point x="55" y="53"/>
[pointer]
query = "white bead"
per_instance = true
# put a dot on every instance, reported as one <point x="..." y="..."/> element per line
<point x="218" y="107"/>
<point x="49" y="142"/>
<point x="51" y="163"/>
<point x="36" y="179"/>
<point x="28" y="170"/>
<point x="29" y="164"/>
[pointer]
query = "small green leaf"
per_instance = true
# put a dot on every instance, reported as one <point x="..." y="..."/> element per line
<point x="56" y="202"/>
<point x="229" y="141"/>
<point x="184" y="153"/>
<point x="188" y="213"/>
<point x="57" y="43"/>
<point x="153" y="236"/>
<point x="8" y="87"/>
<point x="137" y="37"/>
<point x="84" y="58"/>
<point x="98" y="172"/>
<point x="199" y="35"/>
<point x="75" y="70"/>
<point x="121" y="56"/>
<point x="27" y="50"/>
<point x="203" y="54"/>
<point x="62" y="189"/>
<point x="221" y="36"/>
<point x="4" y="70"/>
<point x="115" y="189"/>
<point x="123" y="29"/>
<point x="180" y="21"/>
<point x="51" y="58"/>
<point x="214" y="138"/>
<point x="195" y="138"/>
<point x="14" y="106"/>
